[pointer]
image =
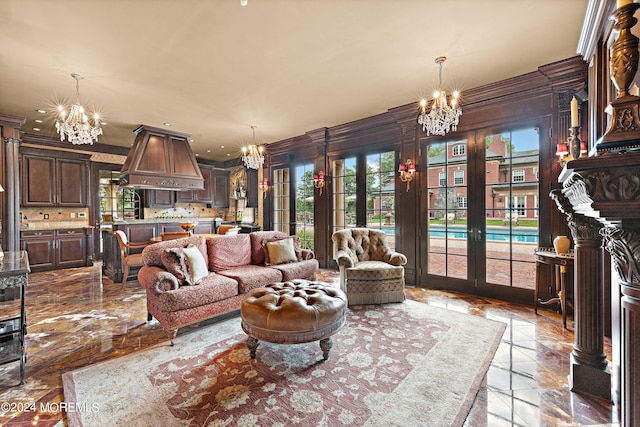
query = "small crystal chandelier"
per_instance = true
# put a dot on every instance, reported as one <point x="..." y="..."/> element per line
<point x="441" y="117"/>
<point x="253" y="155"/>
<point x="76" y="125"/>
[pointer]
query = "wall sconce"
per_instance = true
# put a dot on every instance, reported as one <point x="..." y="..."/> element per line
<point x="572" y="149"/>
<point x="264" y="187"/>
<point x="406" y="170"/>
<point x="318" y="181"/>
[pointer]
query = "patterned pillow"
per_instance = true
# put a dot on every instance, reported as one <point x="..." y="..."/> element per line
<point x="281" y="251"/>
<point x="185" y="263"/>
<point x="296" y="248"/>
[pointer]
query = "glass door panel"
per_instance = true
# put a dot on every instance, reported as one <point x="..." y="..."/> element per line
<point x="511" y="198"/>
<point x="483" y="213"/>
<point x="281" y="201"/>
<point x="304" y="204"/>
<point x="343" y="172"/>
<point x="448" y="210"/>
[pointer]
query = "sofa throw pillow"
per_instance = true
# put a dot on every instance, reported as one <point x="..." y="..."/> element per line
<point x="281" y="251"/>
<point x="197" y="264"/>
<point x="174" y="262"/>
<point x="187" y="264"/>
<point x="296" y="248"/>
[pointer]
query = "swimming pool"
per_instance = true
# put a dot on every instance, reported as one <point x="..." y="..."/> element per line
<point x="495" y="234"/>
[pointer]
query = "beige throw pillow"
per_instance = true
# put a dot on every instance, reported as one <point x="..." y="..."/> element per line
<point x="197" y="264"/>
<point x="281" y="251"/>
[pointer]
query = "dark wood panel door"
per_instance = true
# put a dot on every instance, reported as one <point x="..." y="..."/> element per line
<point x="220" y="190"/>
<point x="38" y="181"/>
<point x="71" y="249"/>
<point x="205" y="195"/>
<point x="71" y="187"/>
<point x="140" y="232"/>
<point x="41" y="252"/>
<point x="160" y="198"/>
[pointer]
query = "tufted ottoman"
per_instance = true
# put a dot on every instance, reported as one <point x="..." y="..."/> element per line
<point x="293" y="312"/>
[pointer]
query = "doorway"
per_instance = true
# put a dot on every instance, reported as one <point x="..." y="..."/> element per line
<point x="482" y="212"/>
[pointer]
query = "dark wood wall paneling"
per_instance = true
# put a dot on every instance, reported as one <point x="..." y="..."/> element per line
<point x="540" y="98"/>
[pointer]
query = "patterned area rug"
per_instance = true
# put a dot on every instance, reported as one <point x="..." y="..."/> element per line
<point x="405" y="364"/>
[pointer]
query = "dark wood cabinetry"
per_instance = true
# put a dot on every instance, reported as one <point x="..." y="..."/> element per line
<point x="52" y="181"/>
<point x="160" y="198"/>
<point x="252" y="188"/>
<point x="220" y="189"/>
<point x="200" y="196"/>
<point x="52" y="249"/>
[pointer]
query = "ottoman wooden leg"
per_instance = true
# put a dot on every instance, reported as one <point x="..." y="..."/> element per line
<point x="252" y="345"/>
<point x="325" y="345"/>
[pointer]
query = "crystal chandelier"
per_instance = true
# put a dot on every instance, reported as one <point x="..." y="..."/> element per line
<point x="253" y="155"/>
<point x="441" y="117"/>
<point x="76" y="126"/>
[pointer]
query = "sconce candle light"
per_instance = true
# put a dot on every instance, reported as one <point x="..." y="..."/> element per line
<point x="406" y="170"/>
<point x="318" y="181"/>
<point x="264" y="187"/>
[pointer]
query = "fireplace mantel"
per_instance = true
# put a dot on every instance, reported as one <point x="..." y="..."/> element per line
<point x="601" y="198"/>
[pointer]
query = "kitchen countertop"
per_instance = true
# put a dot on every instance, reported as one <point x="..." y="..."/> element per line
<point x="43" y="226"/>
<point x="160" y="220"/>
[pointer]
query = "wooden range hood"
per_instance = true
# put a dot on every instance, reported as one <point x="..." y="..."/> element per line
<point x="161" y="160"/>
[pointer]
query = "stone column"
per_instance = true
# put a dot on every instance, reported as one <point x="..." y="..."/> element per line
<point x="589" y="367"/>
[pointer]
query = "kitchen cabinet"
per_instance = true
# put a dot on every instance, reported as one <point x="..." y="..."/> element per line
<point x="220" y="189"/>
<point x="14" y="268"/>
<point x="200" y="196"/>
<point x="53" y="249"/>
<point x="160" y="198"/>
<point x="51" y="181"/>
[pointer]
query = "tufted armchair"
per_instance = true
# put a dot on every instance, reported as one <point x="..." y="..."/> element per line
<point x="370" y="272"/>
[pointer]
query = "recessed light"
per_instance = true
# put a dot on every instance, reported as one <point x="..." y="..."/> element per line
<point x="36" y="129"/>
<point x="38" y="121"/>
<point x="191" y="140"/>
<point x="197" y="155"/>
<point x="103" y="123"/>
<point x="222" y="146"/>
<point x="228" y="155"/>
<point x="208" y="151"/>
<point x="167" y="124"/>
<point x="42" y="111"/>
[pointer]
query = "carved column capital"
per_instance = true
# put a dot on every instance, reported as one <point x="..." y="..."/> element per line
<point x="624" y="247"/>
<point x="11" y="140"/>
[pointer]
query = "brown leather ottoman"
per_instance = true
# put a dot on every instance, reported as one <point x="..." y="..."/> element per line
<point x="293" y="312"/>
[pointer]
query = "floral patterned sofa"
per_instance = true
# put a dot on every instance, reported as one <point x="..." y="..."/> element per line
<point x="192" y="279"/>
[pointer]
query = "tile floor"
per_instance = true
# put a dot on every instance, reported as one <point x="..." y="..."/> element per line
<point x="77" y="317"/>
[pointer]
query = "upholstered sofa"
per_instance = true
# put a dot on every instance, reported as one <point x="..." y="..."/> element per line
<point x="180" y="291"/>
<point x="370" y="272"/>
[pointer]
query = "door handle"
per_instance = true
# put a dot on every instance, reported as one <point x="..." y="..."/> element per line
<point x="471" y="234"/>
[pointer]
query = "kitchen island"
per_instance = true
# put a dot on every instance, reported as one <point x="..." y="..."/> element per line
<point x="141" y="230"/>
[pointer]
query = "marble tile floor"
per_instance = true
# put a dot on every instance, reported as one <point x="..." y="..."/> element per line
<point x="77" y="317"/>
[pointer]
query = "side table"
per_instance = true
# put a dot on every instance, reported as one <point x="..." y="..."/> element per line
<point x="562" y="263"/>
<point x="14" y="268"/>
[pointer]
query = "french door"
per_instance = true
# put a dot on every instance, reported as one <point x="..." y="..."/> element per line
<point x="481" y="222"/>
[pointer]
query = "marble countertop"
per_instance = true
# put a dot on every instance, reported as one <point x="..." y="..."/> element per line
<point x="160" y="220"/>
<point x="53" y="226"/>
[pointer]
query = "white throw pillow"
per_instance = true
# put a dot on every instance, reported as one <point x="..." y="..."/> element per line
<point x="197" y="264"/>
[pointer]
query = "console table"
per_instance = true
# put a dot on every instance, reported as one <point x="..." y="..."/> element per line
<point x="562" y="263"/>
<point x="14" y="268"/>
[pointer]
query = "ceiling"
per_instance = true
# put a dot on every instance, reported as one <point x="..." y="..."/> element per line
<point x="213" y="68"/>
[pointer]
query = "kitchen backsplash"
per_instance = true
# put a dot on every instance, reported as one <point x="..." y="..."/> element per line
<point x="54" y="217"/>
